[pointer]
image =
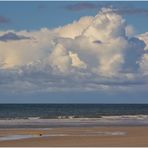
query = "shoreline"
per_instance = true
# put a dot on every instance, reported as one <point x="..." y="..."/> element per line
<point x="99" y="116"/>
<point x="141" y="120"/>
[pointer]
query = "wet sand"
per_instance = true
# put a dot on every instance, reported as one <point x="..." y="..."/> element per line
<point x="79" y="136"/>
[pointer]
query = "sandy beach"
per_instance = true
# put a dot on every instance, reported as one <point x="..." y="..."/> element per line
<point x="78" y="136"/>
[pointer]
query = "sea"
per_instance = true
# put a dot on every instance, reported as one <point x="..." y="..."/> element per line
<point x="48" y="111"/>
<point x="54" y="115"/>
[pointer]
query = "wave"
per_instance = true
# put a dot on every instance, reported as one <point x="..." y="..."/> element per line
<point x="138" y="117"/>
<point x="121" y="117"/>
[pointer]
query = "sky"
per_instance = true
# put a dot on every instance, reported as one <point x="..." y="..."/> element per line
<point x="74" y="52"/>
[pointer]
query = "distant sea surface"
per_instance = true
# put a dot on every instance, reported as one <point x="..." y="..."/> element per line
<point x="54" y="111"/>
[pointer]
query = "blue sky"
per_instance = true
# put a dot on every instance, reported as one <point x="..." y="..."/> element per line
<point x="35" y="15"/>
<point x="57" y="52"/>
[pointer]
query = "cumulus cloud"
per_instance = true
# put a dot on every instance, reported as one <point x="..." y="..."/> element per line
<point x="25" y="51"/>
<point x="94" y="53"/>
<point x="144" y="37"/>
<point x="59" y="59"/>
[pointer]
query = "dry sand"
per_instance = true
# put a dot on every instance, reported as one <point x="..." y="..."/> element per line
<point x="78" y="136"/>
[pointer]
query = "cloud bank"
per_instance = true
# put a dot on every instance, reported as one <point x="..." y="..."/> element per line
<point x="94" y="53"/>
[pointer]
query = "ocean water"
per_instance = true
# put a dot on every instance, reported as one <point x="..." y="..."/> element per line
<point x="72" y="115"/>
<point x="54" y="111"/>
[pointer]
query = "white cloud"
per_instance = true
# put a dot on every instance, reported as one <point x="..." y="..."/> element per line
<point x="144" y="64"/>
<point x="144" y="60"/>
<point x="21" y="52"/>
<point x="76" y="62"/>
<point x="144" y="37"/>
<point x="93" y="53"/>
<point x="74" y="29"/>
<point x="59" y="59"/>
